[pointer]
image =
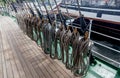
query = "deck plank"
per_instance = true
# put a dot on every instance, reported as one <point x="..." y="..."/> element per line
<point x="5" y="75"/>
<point x="23" y="62"/>
<point x="32" y="59"/>
<point x="1" y="50"/>
<point x="6" y="51"/>
<point x="48" y="67"/>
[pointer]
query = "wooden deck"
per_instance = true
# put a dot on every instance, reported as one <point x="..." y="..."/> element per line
<point x="20" y="57"/>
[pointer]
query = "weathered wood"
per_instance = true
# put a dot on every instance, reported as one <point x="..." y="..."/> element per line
<point x="3" y="58"/>
<point x="1" y="50"/>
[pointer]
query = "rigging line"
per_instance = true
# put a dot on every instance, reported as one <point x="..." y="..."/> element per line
<point x="39" y="6"/>
<point x="50" y="21"/>
<point x="62" y="18"/>
<point x="67" y="11"/>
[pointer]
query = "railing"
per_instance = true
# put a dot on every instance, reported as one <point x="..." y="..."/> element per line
<point x="117" y="64"/>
